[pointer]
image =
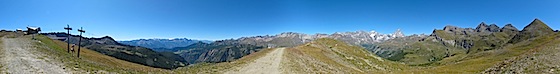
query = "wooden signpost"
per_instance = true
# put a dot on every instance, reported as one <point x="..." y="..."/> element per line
<point x="68" y="36"/>
<point x="81" y="30"/>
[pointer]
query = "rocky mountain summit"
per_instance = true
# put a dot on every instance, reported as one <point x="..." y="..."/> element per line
<point x="535" y="29"/>
<point x="363" y="37"/>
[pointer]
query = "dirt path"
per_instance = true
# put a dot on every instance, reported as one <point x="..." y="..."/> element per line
<point x="268" y="64"/>
<point x="21" y="57"/>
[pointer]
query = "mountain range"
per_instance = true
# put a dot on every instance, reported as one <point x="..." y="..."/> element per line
<point x="232" y="49"/>
<point x="161" y="45"/>
<point x="484" y="49"/>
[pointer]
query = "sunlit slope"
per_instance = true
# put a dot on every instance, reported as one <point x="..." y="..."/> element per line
<point x="320" y="56"/>
<point x="505" y="56"/>
<point x="332" y="56"/>
<point x="91" y="61"/>
<point x="543" y="57"/>
<point x="217" y="68"/>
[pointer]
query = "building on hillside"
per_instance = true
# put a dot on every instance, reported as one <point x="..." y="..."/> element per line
<point x="33" y="30"/>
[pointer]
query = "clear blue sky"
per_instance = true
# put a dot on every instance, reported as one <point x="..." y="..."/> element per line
<point x="225" y="19"/>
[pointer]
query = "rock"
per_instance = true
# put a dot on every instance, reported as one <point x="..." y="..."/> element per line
<point x="481" y="27"/>
<point x="509" y="27"/>
<point x="450" y="28"/>
<point x="493" y="28"/>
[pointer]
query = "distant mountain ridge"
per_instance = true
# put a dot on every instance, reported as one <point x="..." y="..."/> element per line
<point x="454" y="41"/>
<point x="163" y="44"/>
<point x="232" y="49"/>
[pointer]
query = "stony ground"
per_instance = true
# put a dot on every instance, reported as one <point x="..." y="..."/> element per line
<point x="20" y="56"/>
<point x="543" y="60"/>
<point x="268" y="64"/>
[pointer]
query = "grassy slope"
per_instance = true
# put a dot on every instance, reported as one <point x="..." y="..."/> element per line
<point x="470" y="63"/>
<point x="543" y="59"/>
<point x="214" y="68"/>
<point x="91" y="61"/>
<point x="333" y="56"/>
<point x="476" y="64"/>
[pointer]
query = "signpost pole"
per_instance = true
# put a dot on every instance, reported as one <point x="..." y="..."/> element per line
<point x="68" y="37"/>
<point x="81" y="30"/>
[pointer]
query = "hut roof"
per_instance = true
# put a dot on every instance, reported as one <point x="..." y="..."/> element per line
<point x="33" y="28"/>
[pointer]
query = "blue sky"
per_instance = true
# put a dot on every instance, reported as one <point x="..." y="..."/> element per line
<point x="225" y="19"/>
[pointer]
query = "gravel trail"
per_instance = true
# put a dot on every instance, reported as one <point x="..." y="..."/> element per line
<point x="268" y="64"/>
<point x="21" y="57"/>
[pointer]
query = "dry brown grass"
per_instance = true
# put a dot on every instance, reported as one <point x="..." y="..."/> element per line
<point x="476" y="63"/>
<point x="333" y="56"/>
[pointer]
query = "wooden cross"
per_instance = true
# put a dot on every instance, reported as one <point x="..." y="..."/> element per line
<point x="81" y="30"/>
<point x="68" y="36"/>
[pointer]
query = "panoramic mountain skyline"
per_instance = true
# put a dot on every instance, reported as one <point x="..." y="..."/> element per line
<point x="220" y="19"/>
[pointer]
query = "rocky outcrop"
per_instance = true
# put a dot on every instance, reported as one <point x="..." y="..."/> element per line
<point x="509" y="29"/>
<point x="493" y="28"/>
<point x="482" y="27"/>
